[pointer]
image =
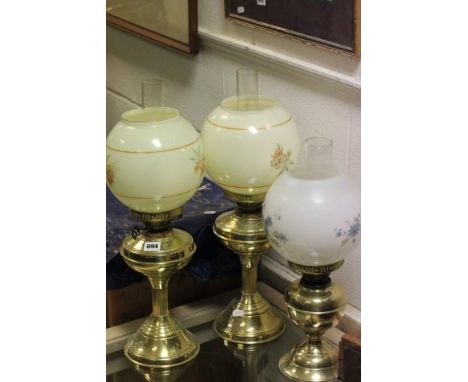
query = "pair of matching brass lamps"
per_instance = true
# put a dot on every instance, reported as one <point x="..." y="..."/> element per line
<point x="156" y="161"/>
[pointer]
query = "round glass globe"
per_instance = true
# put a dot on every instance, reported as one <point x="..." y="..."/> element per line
<point x="154" y="160"/>
<point x="312" y="214"/>
<point x="249" y="141"/>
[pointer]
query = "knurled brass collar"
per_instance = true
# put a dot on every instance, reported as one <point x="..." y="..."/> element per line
<point x="246" y="201"/>
<point x="159" y="219"/>
<point x="315" y="270"/>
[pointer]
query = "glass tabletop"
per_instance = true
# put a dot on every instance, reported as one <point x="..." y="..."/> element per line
<point x="221" y="361"/>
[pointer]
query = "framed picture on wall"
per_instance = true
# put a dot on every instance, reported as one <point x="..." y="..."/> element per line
<point x="331" y="23"/>
<point x="172" y="23"/>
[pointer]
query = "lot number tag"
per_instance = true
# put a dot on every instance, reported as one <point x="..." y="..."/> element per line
<point x="152" y="246"/>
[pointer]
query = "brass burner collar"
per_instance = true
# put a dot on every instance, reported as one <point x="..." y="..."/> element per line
<point x="159" y="219"/>
<point x="316" y="269"/>
<point x="246" y="201"/>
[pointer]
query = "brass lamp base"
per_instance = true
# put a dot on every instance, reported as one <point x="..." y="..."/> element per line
<point x="311" y="362"/>
<point x="158" y="252"/>
<point x="161" y="342"/>
<point x="314" y="303"/>
<point x="249" y="319"/>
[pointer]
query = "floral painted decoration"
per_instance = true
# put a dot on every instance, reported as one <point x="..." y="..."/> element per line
<point x="280" y="159"/>
<point x="110" y="171"/>
<point x="351" y="232"/>
<point x="199" y="160"/>
<point x="275" y="236"/>
<point x="280" y="236"/>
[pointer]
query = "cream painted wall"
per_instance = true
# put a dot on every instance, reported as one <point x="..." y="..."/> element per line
<point x="213" y="25"/>
<point x="320" y="88"/>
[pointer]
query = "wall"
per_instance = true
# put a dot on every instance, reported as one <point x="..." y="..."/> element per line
<point x="320" y="88"/>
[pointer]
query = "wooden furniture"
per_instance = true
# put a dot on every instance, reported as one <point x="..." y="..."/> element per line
<point x="350" y="357"/>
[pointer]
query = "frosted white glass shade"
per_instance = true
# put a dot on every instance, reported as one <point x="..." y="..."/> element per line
<point x="312" y="219"/>
<point x="154" y="159"/>
<point x="248" y="143"/>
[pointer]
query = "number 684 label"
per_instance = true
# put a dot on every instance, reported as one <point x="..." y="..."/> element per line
<point x="152" y="246"/>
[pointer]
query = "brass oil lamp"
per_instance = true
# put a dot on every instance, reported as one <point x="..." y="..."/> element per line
<point x="312" y="216"/>
<point x="155" y="163"/>
<point x="249" y="140"/>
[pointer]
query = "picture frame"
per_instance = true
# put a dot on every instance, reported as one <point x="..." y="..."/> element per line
<point x="170" y="23"/>
<point x="333" y="24"/>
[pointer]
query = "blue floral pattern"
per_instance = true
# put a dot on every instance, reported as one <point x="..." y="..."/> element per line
<point x="350" y="232"/>
<point x="275" y="236"/>
<point x="280" y="236"/>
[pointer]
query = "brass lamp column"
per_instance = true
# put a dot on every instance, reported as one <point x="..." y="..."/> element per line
<point x="249" y="141"/>
<point x="249" y="319"/>
<point x="161" y="341"/>
<point x="314" y="303"/>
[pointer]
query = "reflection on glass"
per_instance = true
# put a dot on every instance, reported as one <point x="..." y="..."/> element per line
<point x="166" y="17"/>
<point x="221" y="361"/>
<point x="254" y="360"/>
<point x="172" y="374"/>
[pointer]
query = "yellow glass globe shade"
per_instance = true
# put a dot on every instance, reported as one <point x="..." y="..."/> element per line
<point x="154" y="160"/>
